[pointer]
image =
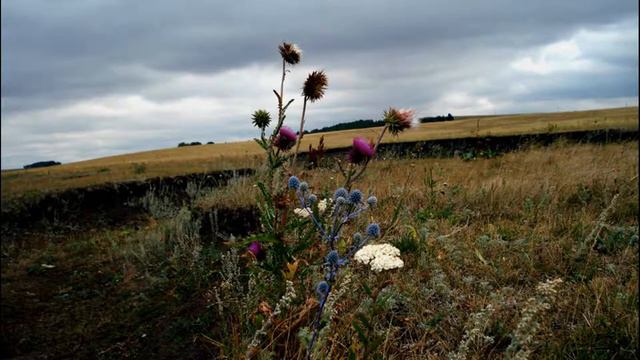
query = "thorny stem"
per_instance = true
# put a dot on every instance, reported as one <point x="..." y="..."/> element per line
<point x="301" y="134"/>
<point x="351" y="178"/>
<point x="303" y="204"/>
<point x="384" y="129"/>
<point x="316" y="322"/>
<point x="282" y="85"/>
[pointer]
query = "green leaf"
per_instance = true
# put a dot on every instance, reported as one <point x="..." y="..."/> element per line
<point x="367" y="289"/>
<point x="361" y="335"/>
<point x="351" y="355"/>
<point x="363" y="319"/>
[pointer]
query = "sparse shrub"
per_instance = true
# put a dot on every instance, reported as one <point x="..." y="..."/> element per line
<point x="474" y="338"/>
<point x="159" y="203"/>
<point x="316" y="154"/>
<point x="138" y="168"/>
<point x="522" y="341"/>
<point x="182" y="232"/>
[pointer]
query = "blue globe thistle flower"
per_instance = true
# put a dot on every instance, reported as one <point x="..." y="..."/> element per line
<point x="312" y="199"/>
<point x="372" y="201"/>
<point x="355" y="197"/>
<point x="322" y="289"/>
<point x="341" y="192"/>
<point x="373" y="230"/>
<point x="304" y="186"/>
<point x="294" y="183"/>
<point x="333" y="257"/>
<point x="341" y="200"/>
<point x="357" y="238"/>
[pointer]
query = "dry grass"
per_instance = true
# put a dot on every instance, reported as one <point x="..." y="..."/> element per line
<point x="205" y="158"/>
<point x="477" y="237"/>
<point x="556" y="169"/>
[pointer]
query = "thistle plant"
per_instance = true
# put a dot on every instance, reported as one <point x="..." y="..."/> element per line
<point x="363" y="151"/>
<point x="327" y="217"/>
<point x="282" y="140"/>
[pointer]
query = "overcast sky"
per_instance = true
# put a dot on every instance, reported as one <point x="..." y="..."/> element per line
<point x="91" y="78"/>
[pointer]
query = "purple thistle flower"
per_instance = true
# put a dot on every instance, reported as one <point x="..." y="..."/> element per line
<point x="286" y="139"/>
<point x="256" y="249"/>
<point x="361" y="151"/>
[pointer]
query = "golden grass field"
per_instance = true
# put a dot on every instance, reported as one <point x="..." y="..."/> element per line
<point x="205" y="158"/>
<point x="472" y="233"/>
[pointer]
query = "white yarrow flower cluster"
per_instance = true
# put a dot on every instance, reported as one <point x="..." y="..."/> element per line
<point x="379" y="257"/>
<point x="304" y="213"/>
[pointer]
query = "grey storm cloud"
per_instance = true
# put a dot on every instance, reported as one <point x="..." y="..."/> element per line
<point x="82" y="79"/>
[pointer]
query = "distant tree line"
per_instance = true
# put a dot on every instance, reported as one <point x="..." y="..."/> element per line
<point x="438" y="118"/>
<point x="41" y="164"/>
<point x="358" y="124"/>
<point x="182" y="144"/>
<point x="362" y="124"/>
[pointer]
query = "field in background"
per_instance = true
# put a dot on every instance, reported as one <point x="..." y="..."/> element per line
<point x="206" y="158"/>
<point x="473" y="234"/>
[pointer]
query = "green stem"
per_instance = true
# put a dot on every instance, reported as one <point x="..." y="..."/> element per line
<point x="364" y="167"/>
<point x="304" y="109"/>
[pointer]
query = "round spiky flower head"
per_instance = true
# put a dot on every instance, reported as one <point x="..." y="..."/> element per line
<point x="372" y="200"/>
<point x="261" y="119"/>
<point x="286" y="139"/>
<point x="290" y="53"/>
<point x="312" y="199"/>
<point x="333" y="257"/>
<point x="398" y="120"/>
<point x="322" y="289"/>
<point x="373" y="230"/>
<point x="355" y="197"/>
<point x="361" y="151"/>
<point x="315" y="85"/>
<point x="340" y="192"/>
<point x="304" y="186"/>
<point x="293" y="183"/>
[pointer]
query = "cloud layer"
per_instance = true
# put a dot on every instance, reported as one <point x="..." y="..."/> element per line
<point x="95" y="78"/>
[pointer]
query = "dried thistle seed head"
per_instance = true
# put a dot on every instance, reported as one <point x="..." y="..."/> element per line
<point x="261" y="119"/>
<point x="290" y="53"/>
<point x="398" y="120"/>
<point x="315" y="85"/>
